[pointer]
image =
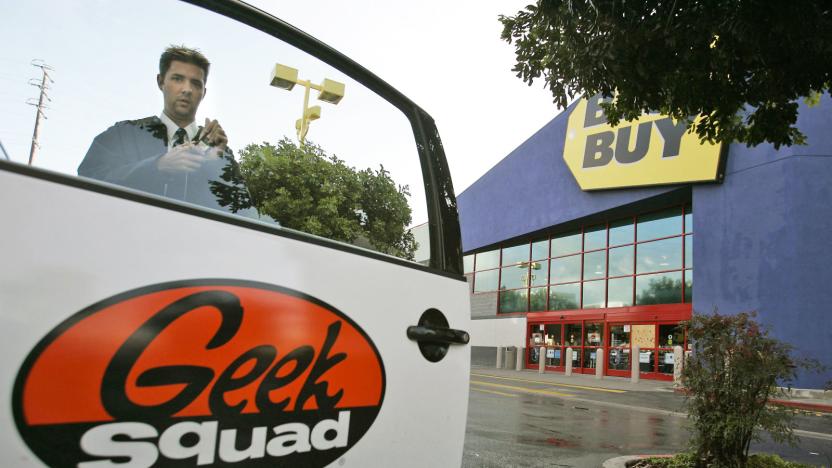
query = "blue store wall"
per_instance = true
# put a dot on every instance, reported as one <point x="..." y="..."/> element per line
<point x="762" y="239"/>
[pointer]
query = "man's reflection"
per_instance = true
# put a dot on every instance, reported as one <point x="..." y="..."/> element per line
<point x="170" y="155"/>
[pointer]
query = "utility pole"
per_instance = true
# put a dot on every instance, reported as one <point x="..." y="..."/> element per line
<point x="44" y="83"/>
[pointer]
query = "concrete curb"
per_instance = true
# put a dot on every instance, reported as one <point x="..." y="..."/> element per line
<point x="621" y="462"/>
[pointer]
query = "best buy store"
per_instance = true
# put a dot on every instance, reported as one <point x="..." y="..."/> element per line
<point x="601" y="239"/>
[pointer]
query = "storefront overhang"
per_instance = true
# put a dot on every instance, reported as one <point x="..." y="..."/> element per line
<point x="645" y="313"/>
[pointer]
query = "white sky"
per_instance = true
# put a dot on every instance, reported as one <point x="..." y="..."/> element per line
<point x="445" y="56"/>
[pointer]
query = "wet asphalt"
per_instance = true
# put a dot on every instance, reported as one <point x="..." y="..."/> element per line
<point x="518" y="419"/>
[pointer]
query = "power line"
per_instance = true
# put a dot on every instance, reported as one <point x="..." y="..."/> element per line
<point x="45" y="81"/>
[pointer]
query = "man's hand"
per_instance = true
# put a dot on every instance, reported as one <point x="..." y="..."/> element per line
<point x="213" y="135"/>
<point x="183" y="158"/>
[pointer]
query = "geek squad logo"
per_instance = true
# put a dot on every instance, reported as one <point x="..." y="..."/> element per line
<point x="205" y="372"/>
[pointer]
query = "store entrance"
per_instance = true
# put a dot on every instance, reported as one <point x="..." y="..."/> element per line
<point x="655" y="355"/>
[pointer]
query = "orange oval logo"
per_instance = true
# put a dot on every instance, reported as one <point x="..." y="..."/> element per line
<point x="192" y="373"/>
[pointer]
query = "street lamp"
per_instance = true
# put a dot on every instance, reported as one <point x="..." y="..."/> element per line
<point x="329" y="91"/>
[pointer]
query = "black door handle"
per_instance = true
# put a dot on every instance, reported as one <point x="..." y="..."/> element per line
<point x="437" y="335"/>
<point x="434" y="336"/>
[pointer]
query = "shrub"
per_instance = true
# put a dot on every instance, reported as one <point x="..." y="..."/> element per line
<point x="732" y="373"/>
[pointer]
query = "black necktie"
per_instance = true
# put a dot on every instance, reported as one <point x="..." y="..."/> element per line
<point x="179" y="137"/>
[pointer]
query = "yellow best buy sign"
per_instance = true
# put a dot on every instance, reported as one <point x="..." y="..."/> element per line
<point x="652" y="150"/>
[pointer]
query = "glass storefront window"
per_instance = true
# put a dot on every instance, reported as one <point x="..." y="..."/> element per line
<point x="620" y="292"/>
<point x="595" y="238"/>
<point x="554" y="356"/>
<point x="576" y="358"/>
<point x="647" y="360"/>
<point x="594" y="334"/>
<point x="488" y="260"/>
<point x="537" y="299"/>
<point x="622" y="232"/>
<point x="688" y="218"/>
<point x="619" y="335"/>
<point x="660" y="255"/>
<point x="589" y="357"/>
<point x="660" y="224"/>
<point x="553" y="335"/>
<point x="619" y="359"/>
<point x="666" y="362"/>
<point x="516" y="254"/>
<point x="621" y="261"/>
<point x="660" y="288"/>
<point x="564" y="296"/>
<point x="514" y="301"/>
<point x="565" y="244"/>
<point x="688" y="285"/>
<point x="468" y="263"/>
<point x="572" y="334"/>
<point x="595" y="265"/>
<point x="486" y="281"/>
<point x="566" y="269"/>
<point x="540" y="249"/>
<point x="539" y="273"/>
<point x="671" y="335"/>
<point x="594" y="292"/>
<point x="688" y="251"/>
<point x="514" y="277"/>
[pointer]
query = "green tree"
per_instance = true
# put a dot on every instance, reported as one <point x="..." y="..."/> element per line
<point x="305" y="189"/>
<point x="740" y="64"/>
<point x="732" y="374"/>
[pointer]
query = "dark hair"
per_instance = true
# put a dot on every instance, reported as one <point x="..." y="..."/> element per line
<point x="183" y="54"/>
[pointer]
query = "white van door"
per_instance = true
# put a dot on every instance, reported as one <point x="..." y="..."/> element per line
<point x="273" y="315"/>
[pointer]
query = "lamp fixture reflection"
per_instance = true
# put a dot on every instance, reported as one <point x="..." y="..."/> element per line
<point x="330" y="91"/>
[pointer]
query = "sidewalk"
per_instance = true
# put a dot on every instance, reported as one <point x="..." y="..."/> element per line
<point x="807" y="400"/>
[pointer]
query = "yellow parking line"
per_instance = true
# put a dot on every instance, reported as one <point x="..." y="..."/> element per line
<point x="493" y="391"/>
<point x="522" y="389"/>
<point x="582" y="387"/>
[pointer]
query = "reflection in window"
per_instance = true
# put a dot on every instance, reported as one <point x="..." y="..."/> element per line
<point x="514" y="301"/>
<point x="565" y="244"/>
<point x="688" y="218"/>
<point x="566" y="269"/>
<point x="595" y="238"/>
<point x="622" y="232"/>
<point x="468" y="263"/>
<point x="688" y="286"/>
<point x="661" y="288"/>
<point x="620" y="292"/>
<point x="564" y="296"/>
<point x="485" y="281"/>
<point x="537" y="299"/>
<point x="595" y="264"/>
<point x="688" y="251"/>
<point x="660" y="255"/>
<point x="540" y="249"/>
<point x="539" y="273"/>
<point x="516" y="254"/>
<point x="553" y="335"/>
<point x="621" y="261"/>
<point x="488" y="260"/>
<point x="514" y="277"/>
<point x="594" y="294"/>
<point x="249" y="155"/>
<point x="661" y="224"/>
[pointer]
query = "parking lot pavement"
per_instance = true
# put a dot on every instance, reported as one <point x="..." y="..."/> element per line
<point x="520" y="419"/>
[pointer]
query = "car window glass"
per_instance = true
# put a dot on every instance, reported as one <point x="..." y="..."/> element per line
<point x="340" y="162"/>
